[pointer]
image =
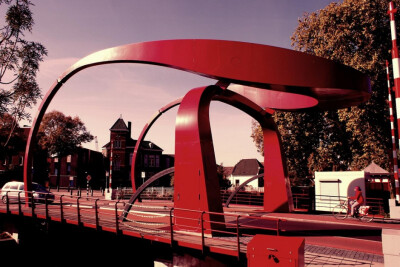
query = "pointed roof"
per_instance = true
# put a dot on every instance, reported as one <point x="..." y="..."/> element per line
<point x="373" y="168"/>
<point x="119" y="125"/>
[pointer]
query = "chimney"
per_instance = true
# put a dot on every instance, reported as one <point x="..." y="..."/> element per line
<point x="129" y="128"/>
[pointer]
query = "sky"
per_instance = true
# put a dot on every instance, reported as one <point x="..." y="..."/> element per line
<point x="100" y="95"/>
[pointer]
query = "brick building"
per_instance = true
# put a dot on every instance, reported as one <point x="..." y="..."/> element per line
<point x="12" y="157"/>
<point x="73" y="169"/>
<point x="120" y="151"/>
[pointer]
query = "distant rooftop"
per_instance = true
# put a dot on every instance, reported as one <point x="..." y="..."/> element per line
<point x="248" y="167"/>
<point x="119" y="125"/>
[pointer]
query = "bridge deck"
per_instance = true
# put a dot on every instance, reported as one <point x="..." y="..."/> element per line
<point x="147" y="221"/>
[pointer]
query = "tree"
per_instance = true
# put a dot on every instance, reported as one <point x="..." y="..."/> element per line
<point x="224" y="182"/>
<point x="355" y="33"/>
<point x="61" y="135"/>
<point x="19" y="63"/>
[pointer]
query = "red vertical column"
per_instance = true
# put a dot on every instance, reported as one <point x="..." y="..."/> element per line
<point x="396" y="75"/>
<point x="392" y="128"/>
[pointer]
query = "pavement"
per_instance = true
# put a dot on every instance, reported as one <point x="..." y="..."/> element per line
<point x="321" y="250"/>
<point x="327" y="250"/>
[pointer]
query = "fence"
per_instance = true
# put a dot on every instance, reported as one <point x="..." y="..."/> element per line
<point x="327" y="203"/>
<point x="150" y="222"/>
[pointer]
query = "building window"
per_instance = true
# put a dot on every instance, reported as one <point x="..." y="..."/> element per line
<point x="152" y="161"/>
<point x="117" y="165"/>
<point x="117" y="143"/>
<point x="157" y="161"/>
<point x="69" y="158"/>
<point x="68" y="168"/>
<point x="130" y="158"/>
<point x="21" y="160"/>
<point x="145" y="160"/>
<point x="167" y="162"/>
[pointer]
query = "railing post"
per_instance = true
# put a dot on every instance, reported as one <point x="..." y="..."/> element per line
<point x="47" y="207"/>
<point x="202" y="233"/>
<point x="171" y="227"/>
<point x="19" y="203"/>
<point x="277" y="226"/>
<point x="96" y="214"/>
<point x="8" y="202"/>
<point x="61" y="209"/>
<point x="238" y="236"/>
<point x="116" y="218"/>
<point x="32" y="203"/>
<point x="78" y="210"/>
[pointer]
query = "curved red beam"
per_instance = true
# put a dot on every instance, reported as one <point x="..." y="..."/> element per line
<point x="255" y="65"/>
<point x="196" y="184"/>
<point x="143" y="134"/>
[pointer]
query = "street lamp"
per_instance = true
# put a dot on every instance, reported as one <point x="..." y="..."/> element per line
<point x="143" y="176"/>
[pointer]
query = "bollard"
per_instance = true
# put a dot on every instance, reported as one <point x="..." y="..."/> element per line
<point x="266" y="250"/>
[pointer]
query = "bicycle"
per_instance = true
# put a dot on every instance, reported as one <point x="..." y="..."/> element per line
<point x="341" y="212"/>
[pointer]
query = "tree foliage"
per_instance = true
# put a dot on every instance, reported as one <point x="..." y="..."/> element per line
<point x="355" y="33"/>
<point x="60" y="135"/>
<point x="19" y="62"/>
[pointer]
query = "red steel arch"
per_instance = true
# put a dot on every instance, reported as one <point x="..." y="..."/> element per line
<point x="287" y="76"/>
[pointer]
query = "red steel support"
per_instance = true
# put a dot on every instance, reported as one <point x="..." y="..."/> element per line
<point x="195" y="182"/>
<point x="396" y="76"/>
<point x="290" y="80"/>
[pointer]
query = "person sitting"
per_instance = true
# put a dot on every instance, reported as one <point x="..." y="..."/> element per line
<point x="357" y="200"/>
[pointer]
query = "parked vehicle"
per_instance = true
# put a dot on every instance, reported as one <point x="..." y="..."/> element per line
<point x="13" y="190"/>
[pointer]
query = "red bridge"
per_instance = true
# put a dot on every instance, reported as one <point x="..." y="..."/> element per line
<point x="147" y="220"/>
<point x="266" y="78"/>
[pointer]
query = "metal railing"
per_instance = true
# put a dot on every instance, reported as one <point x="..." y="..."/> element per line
<point x="327" y="203"/>
<point x="220" y="230"/>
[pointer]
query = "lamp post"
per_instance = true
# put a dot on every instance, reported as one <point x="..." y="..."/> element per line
<point x="143" y="176"/>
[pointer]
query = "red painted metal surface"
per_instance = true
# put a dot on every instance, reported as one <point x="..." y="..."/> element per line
<point x="196" y="182"/>
<point x="265" y="250"/>
<point x="295" y="80"/>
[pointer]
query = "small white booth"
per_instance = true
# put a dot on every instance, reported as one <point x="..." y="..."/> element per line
<point x="331" y="187"/>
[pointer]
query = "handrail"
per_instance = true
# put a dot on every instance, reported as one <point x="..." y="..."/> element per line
<point x="232" y="225"/>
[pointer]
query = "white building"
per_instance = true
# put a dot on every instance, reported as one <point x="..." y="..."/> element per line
<point x="244" y="170"/>
<point x="331" y="187"/>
